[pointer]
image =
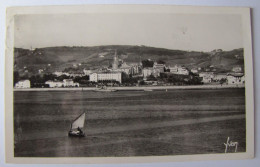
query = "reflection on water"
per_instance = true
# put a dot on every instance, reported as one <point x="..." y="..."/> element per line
<point x="128" y="123"/>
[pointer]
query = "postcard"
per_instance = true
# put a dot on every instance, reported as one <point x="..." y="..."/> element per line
<point x="128" y="84"/>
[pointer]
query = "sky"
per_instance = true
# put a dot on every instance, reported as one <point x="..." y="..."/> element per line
<point x="198" y="32"/>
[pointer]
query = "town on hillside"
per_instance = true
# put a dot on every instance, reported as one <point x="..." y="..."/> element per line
<point x="145" y="72"/>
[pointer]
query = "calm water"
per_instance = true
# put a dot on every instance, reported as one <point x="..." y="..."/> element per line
<point x="129" y="123"/>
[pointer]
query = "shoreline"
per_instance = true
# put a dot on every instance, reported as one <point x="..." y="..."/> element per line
<point x="141" y="88"/>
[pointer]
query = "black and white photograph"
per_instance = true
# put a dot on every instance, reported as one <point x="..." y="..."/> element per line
<point x="130" y="81"/>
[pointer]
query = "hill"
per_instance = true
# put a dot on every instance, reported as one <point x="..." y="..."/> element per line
<point x="58" y="58"/>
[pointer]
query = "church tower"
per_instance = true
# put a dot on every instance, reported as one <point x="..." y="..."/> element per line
<point x="115" y="63"/>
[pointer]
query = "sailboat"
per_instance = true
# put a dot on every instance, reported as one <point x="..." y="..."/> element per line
<point x="77" y="126"/>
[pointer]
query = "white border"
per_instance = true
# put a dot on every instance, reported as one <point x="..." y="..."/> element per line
<point x="244" y="12"/>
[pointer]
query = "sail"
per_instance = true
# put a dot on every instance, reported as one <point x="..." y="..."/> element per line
<point x="79" y="122"/>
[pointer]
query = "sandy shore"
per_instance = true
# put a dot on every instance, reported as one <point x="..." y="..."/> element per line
<point x="140" y="88"/>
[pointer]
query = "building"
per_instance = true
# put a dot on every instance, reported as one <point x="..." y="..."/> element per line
<point x="174" y="69"/>
<point x="237" y="69"/>
<point x="147" y="72"/>
<point x="207" y="77"/>
<point x="54" y="84"/>
<point x="23" y="84"/>
<point x="157" y="69"/>
<point x="180" y="70"/>
<point x="87" y="72"/>
<point x="93" y="77"/>
<point x="70" y="83"/>
<point x="40" y="71"/>
<point x="106" y="76"/>
<point x="183" y="71"/>
<point x="236" y="78"/>
<point x="137" y="69"/>
<point x="126" y="69"/>
<point x="218" y="77"/>
<point x="64" y="83"/>
<point x="194" y="71"/>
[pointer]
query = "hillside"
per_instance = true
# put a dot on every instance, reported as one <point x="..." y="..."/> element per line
<point x="60" y="58"/>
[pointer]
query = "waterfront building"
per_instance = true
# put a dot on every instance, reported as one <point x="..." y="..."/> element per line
<point x="70" y="83"/>
<point x="106" y="76"/>
<point x="207" y="77"/>
<point x="93" y="77"/>
<point x="237" y="69"/>
<point x="218" y="77"/>
<point x="54" y="84"/>
<point x="236" y="78"/>
<point x="147" y="72"/>
<point x="23" y="84"/>
<point x="64" y="83"/>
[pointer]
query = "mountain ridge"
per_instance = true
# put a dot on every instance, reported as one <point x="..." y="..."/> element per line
<point x="61" y="57"/>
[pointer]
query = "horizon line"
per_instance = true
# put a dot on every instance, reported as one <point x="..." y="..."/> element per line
<point x="124" y="45"/>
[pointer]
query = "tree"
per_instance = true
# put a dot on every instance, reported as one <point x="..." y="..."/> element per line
<point x="160" y="61"/>
<point x="147" y="63"/>
<point x="142" y="82"/>
<point x="16" y="77"/>
<point x="151" y="78"/>
<point x="223" y="80"/>
<point x="47" y="77"/>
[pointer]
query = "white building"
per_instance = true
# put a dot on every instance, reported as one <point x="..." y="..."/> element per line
<point x="179" y="70"/>
<point x="183" y="71"/>
<point x="64" y="83"/>
<point x="237" y="69"/>
<point x="136" y="68"/>
<point x="236" y="78"/>
<point x="174" y="69"/>
<point x="157" y="69"/>
<point x="87" y="72"/>
<point x="126" y="69"/>
<point x="93" y="77"/>
<point x="106" y="76"/>
<point x="54" y="84"/>
<point x="23" y="84"/>
<point x="194" y="71"/>
<point x="70" y="83"/>
<point x="218" y="77"/>
<point x="147" y="72"/>
<point x="40" y="71"/>
<point x="207" y="77"/>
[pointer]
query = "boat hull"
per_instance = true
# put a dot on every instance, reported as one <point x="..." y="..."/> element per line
<point x="76" y="134"/>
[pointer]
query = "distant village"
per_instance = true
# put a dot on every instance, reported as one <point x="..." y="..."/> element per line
<point x="120" y="73"/>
